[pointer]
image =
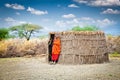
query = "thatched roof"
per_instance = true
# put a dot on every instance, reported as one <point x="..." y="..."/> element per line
<point x="79" y="32"/>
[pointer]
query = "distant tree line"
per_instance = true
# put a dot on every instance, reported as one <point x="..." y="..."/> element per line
<point x="85" y="28"/>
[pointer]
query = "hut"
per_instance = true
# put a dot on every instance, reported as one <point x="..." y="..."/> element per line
<point x="83" y="47"/>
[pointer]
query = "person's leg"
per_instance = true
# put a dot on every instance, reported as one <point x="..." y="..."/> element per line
<point x="53" y="58"/>
<point x="57" y="58"/>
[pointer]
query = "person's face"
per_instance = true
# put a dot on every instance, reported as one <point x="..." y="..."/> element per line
<point x="56" y="37"/>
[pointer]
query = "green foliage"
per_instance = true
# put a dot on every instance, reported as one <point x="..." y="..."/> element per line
<point x="10" y="36"/>
<point x="86" y="28"/>
<point x="25" y="30"/>
<point x="4" y="33"/>
<point x="110" y="74"/>
<point x="115" y="54"/>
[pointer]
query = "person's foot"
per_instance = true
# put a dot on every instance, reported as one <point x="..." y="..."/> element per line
<point x="54" y="62"/>
<point x="51" y="62"/>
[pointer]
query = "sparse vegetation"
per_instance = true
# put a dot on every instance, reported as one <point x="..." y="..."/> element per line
<point x="22" y="47"/>
<point x="86" y="28"/>
<point x="115" y="54"/>
<point x="4" y="33"/>
<point x="113" y="43"/>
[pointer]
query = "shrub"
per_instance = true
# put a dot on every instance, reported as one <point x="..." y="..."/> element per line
<point x="22" y="47"/>
<point x="115" y="54"/>
<point x="113" y="43"/>
<point x="3" y="33"/>
<point x="85" y="28"/>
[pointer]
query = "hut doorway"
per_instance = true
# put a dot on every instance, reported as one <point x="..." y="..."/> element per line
<point x="50" y="44"/>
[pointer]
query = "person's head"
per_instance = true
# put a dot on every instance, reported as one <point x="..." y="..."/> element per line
<point x="57" y="36"/>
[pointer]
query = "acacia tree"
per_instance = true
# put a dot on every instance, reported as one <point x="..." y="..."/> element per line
<point x="25" y="30"/>
<point x="4" y="33"/>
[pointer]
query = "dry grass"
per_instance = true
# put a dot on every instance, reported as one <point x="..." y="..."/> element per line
<point x="113" y="43"/>
<point x="22" y="47"/>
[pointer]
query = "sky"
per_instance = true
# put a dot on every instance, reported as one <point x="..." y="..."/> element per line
<point x="62" y="15"/>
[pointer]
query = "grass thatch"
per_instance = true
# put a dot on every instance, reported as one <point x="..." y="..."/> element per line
<point x="82" y="47"/>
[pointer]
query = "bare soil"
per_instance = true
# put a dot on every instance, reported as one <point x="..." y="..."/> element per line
<point x="36" y="68"/>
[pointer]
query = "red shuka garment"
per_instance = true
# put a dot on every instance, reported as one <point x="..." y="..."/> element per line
<point x="56" y="49"/>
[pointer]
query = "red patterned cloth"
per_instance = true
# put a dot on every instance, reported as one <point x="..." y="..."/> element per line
<point x="55" y="57"/>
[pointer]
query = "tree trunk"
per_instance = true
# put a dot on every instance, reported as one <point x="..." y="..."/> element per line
<point x="28" y="38"/>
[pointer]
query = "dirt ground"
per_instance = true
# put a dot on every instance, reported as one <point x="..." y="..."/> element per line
<point x="36" y="68"/>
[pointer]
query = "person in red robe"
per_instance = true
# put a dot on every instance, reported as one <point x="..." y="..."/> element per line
<point x="56" y="49"/>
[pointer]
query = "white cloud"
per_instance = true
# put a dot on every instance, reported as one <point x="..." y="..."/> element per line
<point x="9" y="19"/>
<point x="11" y="22"/>
<point x="105" y="22"/>
<point x="17" y="13"/>
<point x="47" y="29"/>
<point x="36" y="12"/>
<point x="68" y="16"/>
<point x="58" y="5"/>
<point x="15" y="6"/>
<point x="100" y="2"/>
<point x="73" y="6"/>
<point x="46" y="20"/>
<point x="111" y="11"/>
<point x="106" y="3"/>
<point x="81" y="1"/>
<point x="61" y="23"/>
<point x="7" y="5"/>
<point x="22" y="22"/>
<point x="83" y="21"/>
<point x="86" y="18"/>
<point x="68" y="23"/>
<point x="74" y="21"/>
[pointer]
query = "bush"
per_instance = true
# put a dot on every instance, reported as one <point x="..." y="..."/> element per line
<point x="4" y="33"/>
<point x="86" y="28"/>
<point x="22" y="47"/>
<point x="113" y="43"/>
<point x="3" y="48"/>
<point x="115" y="54"/>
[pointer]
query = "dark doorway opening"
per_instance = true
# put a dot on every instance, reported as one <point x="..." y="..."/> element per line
<point x="50" y="44"/>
